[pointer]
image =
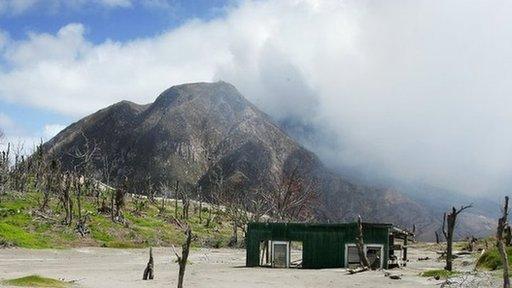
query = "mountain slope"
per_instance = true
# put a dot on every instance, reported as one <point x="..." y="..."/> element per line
<point x="191" y="128"/>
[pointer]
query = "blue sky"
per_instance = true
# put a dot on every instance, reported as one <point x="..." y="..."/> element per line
<point x="117" y="22"/>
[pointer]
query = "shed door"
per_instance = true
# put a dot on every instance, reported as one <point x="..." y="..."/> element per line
<point x="280" y="254"/>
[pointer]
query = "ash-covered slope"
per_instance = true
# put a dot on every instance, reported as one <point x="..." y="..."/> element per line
<point x="193" y="127"/>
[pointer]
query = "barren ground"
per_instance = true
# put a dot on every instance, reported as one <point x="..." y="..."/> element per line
<point x="102" y="267"/>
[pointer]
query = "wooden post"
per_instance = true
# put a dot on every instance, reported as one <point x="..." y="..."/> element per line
<point x="437" y="237"/>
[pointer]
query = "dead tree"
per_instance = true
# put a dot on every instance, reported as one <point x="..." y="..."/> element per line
<point x="242" y="207"/>
<point x="182" y="260"/>
<point x="360" y="244"/>
<point x="294" y="199"/>
<point x="4" y="169"/>
<point x="502" y="224"/>
<point x="149" y="271"/>
<point x="81" y="225"/>
<point x="200" y="199"/>
<point x="49" y="184"/>
<point x="185" y="203"/>
<point x="449" y="221"/>
<point x="65" y="199"/>
<point x="119" y="200"/>
<point x="176" y="193"/>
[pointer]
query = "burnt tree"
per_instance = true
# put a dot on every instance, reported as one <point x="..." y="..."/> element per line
<point x="294" y="199"/>
<point x="149" y="271"/>
<point x="360" y="244"/>
<point x="449" y="221"/>
<point x="182" y="260"/>
<point x="502" y="224"/>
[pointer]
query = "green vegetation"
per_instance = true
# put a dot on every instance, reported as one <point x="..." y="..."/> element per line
<point x="36" y="281"/>
<point x="439" y="273"/>
<point x="22" y="225"/>
<point x="491" y="259"/>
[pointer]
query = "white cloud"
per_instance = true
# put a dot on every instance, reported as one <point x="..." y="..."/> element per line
<point x="5" y="122"/>
<point x="418" y="89"/>
<point x="51" y="130"/>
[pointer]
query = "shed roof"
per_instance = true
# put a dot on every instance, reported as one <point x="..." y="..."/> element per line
<point x="319" y="225"/>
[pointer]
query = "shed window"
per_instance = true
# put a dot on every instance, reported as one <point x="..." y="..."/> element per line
<point x="375" y="256"/>
<point x="374" y="253"/>
<point x="352" y="255"/>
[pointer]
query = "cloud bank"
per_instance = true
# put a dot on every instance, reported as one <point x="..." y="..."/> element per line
<point x="417" y="90"/>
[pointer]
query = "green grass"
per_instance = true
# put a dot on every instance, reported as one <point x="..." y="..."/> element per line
<point x="439" y="273"/>
<point x="36" y="281"/>
<point x="491" y="259"/>
<point x="21" y="227"/>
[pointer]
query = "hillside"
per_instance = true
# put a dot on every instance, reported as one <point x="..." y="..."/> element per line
<point x="195" y="132"/>
<point x="22" y="225"/>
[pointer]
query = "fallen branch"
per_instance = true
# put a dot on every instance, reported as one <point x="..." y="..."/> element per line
<point x="357" y="270"/>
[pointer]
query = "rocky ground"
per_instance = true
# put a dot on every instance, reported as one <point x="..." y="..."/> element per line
<point x="104" y="267"/>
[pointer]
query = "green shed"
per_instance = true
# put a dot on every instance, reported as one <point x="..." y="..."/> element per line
<point x="323" y="245"/>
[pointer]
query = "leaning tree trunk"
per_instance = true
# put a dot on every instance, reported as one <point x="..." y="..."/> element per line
<point x="360" y="244"/>
<point x="502" y="224"/>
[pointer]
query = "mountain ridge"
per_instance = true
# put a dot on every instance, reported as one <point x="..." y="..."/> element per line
<point x="189" y="127"/>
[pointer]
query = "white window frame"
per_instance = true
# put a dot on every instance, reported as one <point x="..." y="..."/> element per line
<point x="287" y="243"/>
<point x="381" y="246"/>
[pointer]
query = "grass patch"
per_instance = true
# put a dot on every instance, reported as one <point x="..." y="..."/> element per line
<point x="36" y="281"/>
<point x="439" y="273"/>
<point x="21" y="227"/>
<point x="491" y="259"/>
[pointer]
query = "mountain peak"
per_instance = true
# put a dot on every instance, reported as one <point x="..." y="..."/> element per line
<point x="186" y="92"/>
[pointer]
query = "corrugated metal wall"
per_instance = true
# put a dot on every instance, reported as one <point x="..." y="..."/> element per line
<point x="323" y="244"/>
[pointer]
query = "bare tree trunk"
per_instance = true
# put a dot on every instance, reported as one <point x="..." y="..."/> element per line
<point x="112" y="208"/>
<point x="450" y="220"/>
<point x="182" y="260"/>
<point x="360" y="244"/>
<point x="502" y="224"/>
<point x="176" y="199"/>
<point x="437" y="237"/>
<point x="200" y="196"/>
<point x="148" y="272"/>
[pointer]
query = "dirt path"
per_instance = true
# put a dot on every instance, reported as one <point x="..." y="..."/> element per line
<point x="101" y="267"/>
